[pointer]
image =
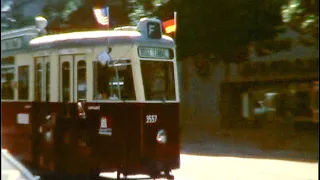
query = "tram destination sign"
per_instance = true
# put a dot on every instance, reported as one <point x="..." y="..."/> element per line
<point x="155" y="53"/>
<point x="11" y="44"/>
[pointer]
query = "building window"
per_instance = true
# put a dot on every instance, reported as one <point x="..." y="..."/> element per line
<point x="23" y="82"/>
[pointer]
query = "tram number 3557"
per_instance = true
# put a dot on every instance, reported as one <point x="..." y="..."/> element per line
<point x="151" y="119"/>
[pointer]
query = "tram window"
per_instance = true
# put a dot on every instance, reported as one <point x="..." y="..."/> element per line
<point x="82" y="80"/>
<point x="158" y="80"/>
<point x="7" y="76"/>
<point x="66" y="81"/>
<point x="47" y="81"/>
<point x="38" y="83"/>
<point x="113" y="82"/>
<point x="23" y="85"/>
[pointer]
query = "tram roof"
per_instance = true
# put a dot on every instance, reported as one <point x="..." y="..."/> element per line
<point x="88" y="38"/>
<point x="22" y="41"/>
<point x="87" y="35"/>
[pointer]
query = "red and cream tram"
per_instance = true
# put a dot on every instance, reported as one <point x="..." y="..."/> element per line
<point x="91" y="102"/>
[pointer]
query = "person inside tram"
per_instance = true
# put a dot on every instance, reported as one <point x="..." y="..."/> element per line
<point x="103" y="90"/>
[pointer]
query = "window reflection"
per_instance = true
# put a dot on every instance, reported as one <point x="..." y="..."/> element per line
<point x="66" y="81"/>
<point x="47" y="81"/>
<point x="38" y="83"/>
<point x="81" y="81"/>
<point x="7" y="75"/>
<point x="23" y="86"/>
<point x="113" y="81"/>
<point x="158" y="80"/>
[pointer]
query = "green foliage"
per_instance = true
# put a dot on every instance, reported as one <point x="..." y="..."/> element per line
<point x="166" y="10"/>
<point x="70" y="7"/>
<point x="303" y="16"/>
<point x="78" y="15"/>
<point x="140" y="9"/>
<point x="223" y="27"/>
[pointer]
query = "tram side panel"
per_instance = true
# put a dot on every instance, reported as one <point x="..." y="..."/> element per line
<point x="115" y="135"/>
<point x="59" y="139"/>
<point x="167" y="155"/>
<point x="16" y="129"/>
<point x="43" y="123"/>
<point x="128" y="142"/>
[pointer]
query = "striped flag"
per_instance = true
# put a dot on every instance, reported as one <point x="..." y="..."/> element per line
<point x="102" y="15"/>
<point x="170" y="25"/>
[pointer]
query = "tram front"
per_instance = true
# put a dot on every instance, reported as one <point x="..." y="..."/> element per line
<point x="160" y="142"/>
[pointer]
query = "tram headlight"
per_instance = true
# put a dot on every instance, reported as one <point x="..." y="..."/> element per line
<point x="162" y="136"/>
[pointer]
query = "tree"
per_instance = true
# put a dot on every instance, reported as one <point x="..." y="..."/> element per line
<point x="12" y="16"/>
<point x="144" y="8"/>
<point x="78" y="15"/>
<point x="223" y="28"/>
<point x="303" y="17"/>
<point x="57" y="13"/>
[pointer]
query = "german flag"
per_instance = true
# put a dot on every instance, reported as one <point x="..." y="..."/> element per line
<point x="169" y="26"/>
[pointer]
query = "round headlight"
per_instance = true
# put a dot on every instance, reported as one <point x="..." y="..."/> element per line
<point x="162" y="136"/>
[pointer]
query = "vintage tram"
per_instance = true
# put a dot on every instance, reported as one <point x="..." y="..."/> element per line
<point x="91" y="102"/>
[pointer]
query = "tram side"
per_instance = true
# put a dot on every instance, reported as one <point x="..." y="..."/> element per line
<point x="68" y="112"/>
<point x="16" y="105"/>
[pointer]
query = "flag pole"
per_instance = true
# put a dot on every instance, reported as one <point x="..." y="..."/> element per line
<point x="175" y="24"/>
<point x="108" y="17"/>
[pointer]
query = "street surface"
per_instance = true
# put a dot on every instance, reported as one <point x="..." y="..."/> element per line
<point x="224" y="168"/>
<point x="211" y="158"/>
<point x="216" y="159"/>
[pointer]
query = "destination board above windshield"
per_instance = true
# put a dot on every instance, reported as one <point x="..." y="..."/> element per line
<point x="155" y="52"/>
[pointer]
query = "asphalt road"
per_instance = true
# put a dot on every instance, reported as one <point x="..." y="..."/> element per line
<point x="195" y="167"/>
<point x="216" y="159"/>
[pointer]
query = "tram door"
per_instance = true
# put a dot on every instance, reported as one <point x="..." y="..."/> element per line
<point x="72" y="78"/>
<point x="42" y="79"/>
<point x="43" y="124"/>
<point x="72" y="88"/>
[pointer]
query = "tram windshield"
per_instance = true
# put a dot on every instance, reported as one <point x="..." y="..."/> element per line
<point x="158" y="80"/>
<point x="113" y="81"/>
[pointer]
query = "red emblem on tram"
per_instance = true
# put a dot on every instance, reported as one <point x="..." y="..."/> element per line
<point x="105" y="126"/>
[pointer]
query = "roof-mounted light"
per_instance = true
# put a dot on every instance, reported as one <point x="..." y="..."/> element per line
<point x="41" y="24"/>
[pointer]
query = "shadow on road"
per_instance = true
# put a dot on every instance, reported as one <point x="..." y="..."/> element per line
<point x="215" y="144"/>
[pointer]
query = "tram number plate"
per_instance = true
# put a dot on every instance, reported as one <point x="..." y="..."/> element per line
<point x="151" y="119"/>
